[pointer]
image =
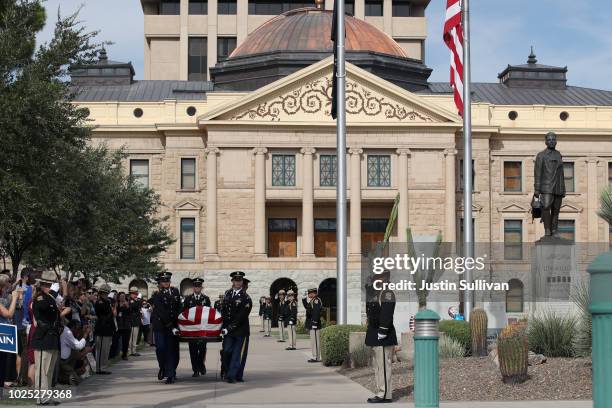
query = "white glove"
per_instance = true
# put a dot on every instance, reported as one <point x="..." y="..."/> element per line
<point x="314" y="327"/>
<point x="291" y="322"/>
<point x="175" y="331"/>
<point x="224" y="332"/>
<point x="139" y="296"/>
<point x="381" y="336"/>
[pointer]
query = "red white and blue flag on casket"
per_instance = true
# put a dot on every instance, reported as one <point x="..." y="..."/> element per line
<point x="200" y="321"/>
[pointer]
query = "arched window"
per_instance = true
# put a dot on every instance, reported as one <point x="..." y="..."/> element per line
<point x="514" y="296"/>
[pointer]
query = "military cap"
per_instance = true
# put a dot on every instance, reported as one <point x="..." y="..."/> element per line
<point x="48" y="277"/>
<point x="164" y="276"/>
<point x="133" y="289"/>
<point x="237" y="275"/>
<point x="105" y="288"/>
<point x="290" y="292"/>
<point x="221" y="295"/>
<point x="312" y="290"/>
<point x="198" y="282"/>
<point x="282" y="292"/>
<point x="245" y="280"/>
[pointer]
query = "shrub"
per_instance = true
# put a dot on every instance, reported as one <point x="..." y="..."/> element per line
<point x="552" y="334"/>
<point x="335" y="343"/>
<point x="448" y="347"/>
<point x="458" y="330"/>
<point x="361" y="356"/>
<point x="584" y="325"/>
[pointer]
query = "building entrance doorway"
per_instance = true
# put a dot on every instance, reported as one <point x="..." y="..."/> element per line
<point x="327" y="294"/>
<point x="281" y="283"/>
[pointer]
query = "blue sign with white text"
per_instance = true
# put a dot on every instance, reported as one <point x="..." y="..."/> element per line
<point x="8" y="338"/>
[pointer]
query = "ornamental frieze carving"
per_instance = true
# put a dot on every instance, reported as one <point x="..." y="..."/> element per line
<point x="315" y="97"/>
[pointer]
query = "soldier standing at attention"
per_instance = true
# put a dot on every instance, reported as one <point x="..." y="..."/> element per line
<point x="197" y="348"/>
<point x="166" y="307"/>
<point x="134" y="305"/>
<point x="267" y="316"/>
<point x="262" y="304"/>
<point x="45" y="340"/>
<point x="236" y="327"/>
<point x="381" y="337"/>
<point x="282" y="315"/>
<point x="104" y="329"/>
<point x="291" y="319"/>
<point x="313" y="323"/>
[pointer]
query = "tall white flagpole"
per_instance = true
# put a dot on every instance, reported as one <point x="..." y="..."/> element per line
<point x="341" y="249"/>
<point x="468" y="232"/>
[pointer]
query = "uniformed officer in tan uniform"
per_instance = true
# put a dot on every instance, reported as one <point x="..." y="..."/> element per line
<point x="313" y="323"/>
<point x="282" y="315"/>
<point x="380" y="335"/>
<point x="291" y="319"/>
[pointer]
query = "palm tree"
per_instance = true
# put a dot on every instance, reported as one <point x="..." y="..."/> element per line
<point x="605" y="201"/>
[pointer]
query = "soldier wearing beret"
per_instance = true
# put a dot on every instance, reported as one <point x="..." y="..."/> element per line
<point x="166" y="307"/>
<point x="313" y="307"/>
<point x="134" y="307"/>
<point x="291" y="319"/>
<point x="105" y="328"/>
<point x="197" y="348"/>
<point x="237" y="306"/>
<point x="380" y="335"/>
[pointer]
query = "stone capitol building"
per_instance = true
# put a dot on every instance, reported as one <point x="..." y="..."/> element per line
<point x="231" y="127"/>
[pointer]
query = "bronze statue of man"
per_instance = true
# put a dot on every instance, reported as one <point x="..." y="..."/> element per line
<point x="549" y="184"/>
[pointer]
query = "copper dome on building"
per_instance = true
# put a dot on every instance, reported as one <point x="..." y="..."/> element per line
<point x="299" y="38"/>
<point x="309" y="29"/>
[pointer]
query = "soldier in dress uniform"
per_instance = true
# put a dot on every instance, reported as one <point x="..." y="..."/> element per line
<point x="262" y="304"/>
<point x="166" y="305"/>
<point x="45" y="340"/>
<point x="313" y="307"/>
<point x="282" y="315"/>
<point x="291" y="319"/>
<point x="381" y="336"/>
<point x="267" y="316"/>
<point x="104" y="329"/>
<point x="134" y="304"/>
<point x="197" y="348"/>
<point x="237" y="307"/>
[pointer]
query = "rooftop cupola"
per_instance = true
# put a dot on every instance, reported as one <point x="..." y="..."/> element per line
<point x="534" y="75"/>
<point x="102" y="72"/>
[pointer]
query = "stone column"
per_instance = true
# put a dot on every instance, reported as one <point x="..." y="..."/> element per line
<point x="593" y="199"/>
<point x="402" y="213"/>
<point x="449" y="194"/>
<point x="242" y="14"/>
<point x="307" y="203"/>
<point x="355" y="200"/>
<point x="211" y="200"/>
<point x="260" y="200"/>
<point x="183" y="40"/>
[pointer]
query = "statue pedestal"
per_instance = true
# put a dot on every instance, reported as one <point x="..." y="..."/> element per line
<point x="553" y="268"/>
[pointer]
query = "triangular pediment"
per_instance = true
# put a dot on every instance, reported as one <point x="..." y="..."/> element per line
<point x="513" y="208"/>
<point x="475" y="207"/>
<point x="305" y="97"/>
<point x="570" y="208"/>
<point x="187" y="205"/>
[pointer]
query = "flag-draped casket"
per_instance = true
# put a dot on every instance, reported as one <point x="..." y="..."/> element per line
<point x="200" y="321"/>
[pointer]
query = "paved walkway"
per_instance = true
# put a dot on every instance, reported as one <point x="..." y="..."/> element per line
<point x="273" y="378"/>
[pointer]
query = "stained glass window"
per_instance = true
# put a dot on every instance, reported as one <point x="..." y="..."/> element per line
<point x="327" y="170"/>
<point x="379" y="171"/>
<point x="283" y="170"/>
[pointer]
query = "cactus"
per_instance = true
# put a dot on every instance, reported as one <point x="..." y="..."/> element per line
<point x="478" y="328"/>
<point x="513" y="355"/>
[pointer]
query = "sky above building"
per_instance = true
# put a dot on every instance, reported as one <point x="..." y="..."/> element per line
<point x="563" y="32"/>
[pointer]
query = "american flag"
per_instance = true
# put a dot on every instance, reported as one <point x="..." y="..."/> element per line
<point x="200" y="321"/>
<point x="453" y="37"/>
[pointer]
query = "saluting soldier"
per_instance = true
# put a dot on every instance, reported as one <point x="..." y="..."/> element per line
<point x="104" y="329"/>
<point x="282" y="315"/>
<point x="236" y="306"/>
<point x="292" y="319"/>
<point x="135" y="305"/>
<point x="166" y="304"/>
<point x="381" y="336"/>
<point x="45" y="340"/>
<point x="313" y="323"/>
<point x="197" y="348"/>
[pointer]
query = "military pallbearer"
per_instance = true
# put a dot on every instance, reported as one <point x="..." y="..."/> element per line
<point x="197" y="348"/>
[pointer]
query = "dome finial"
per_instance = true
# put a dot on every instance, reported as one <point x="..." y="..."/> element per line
<point x="532" y="58"/>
